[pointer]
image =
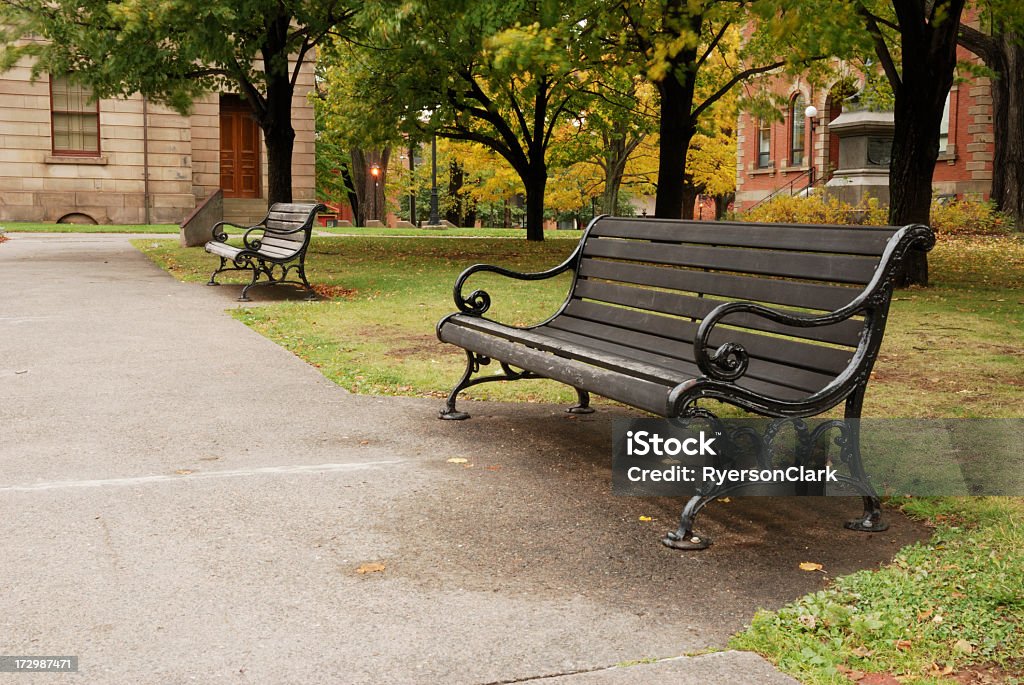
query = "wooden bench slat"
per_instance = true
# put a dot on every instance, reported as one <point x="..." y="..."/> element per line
<point x="810" y="266"/>
<point x="820" y="296"/>
<point x="754" y="380"/>
<point x="792" y="352"/>
<point x="638" y="392"/>
<point x="803" y="238"/>
<point x="677" y="304"/>
<point x="767" y="370"/>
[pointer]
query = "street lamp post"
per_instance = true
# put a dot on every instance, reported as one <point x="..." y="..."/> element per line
<point x="375" y="172"/>
<point x="812" y="116"/>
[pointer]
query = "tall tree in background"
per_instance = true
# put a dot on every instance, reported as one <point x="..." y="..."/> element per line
<point x="999" y="42"/>
<point x="501" y="73"/>
<point x="173" y="52"/>
<point x="679" y="42"/>
<point x="926" y="36"/>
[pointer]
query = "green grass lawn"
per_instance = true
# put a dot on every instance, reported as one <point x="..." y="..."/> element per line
<point x="953" y="606"/>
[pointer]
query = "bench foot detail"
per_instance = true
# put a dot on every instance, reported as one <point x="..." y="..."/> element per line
<point x="684" y="538"/>
<point x="871" y="521"/>
<point x="687" y="542"/>
<point x="582" y="405"/>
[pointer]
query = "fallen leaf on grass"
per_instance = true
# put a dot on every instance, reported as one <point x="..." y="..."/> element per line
<point x="372" y="567"/>
<point x="963" y="646"/>
<point x="810" y="566"/>
<point x="903" y="645"/>
<point x="862" y="652"/>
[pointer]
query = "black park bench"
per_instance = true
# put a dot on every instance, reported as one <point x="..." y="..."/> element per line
<point x="782" y="320"/>
<point x="273" y="248"/>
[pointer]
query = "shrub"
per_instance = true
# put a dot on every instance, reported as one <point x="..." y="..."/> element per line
<point x="958" y="217"/>
<point x="969" y="217"/>
<point x="818" y="209"/>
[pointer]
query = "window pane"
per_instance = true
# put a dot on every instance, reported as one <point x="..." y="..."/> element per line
<point x="797" y="131"/>
<point x="75" y="120"/>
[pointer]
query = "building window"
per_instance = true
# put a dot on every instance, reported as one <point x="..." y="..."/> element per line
<point x="764" y="143"/>
<point x="74" y="120"/>
<point x="797" y="127"/>
<point x="944" y="127"/>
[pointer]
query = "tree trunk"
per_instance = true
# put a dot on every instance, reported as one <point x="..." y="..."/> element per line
<point x="722" y="205"/>
<point x="676" y="129"/>
<point x="275" y="111"/>
<point x="456" y="177"/>
<point x="690" y="193"/>
<point x="1003" y="54"/>
<point x="370" y="192"/>
<point x="617" y="152"/>
<point x="915" y="148"/>
<point x="929" y="58"/>
<point x="535" y="180"/>
<point x="1007" y="61"/>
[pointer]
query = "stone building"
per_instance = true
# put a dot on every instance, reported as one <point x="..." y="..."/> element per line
<point x="64" y="158"/>
<point x="784" y="157"/>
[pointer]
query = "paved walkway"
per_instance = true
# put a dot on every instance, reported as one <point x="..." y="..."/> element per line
<point x="185" y="501"/>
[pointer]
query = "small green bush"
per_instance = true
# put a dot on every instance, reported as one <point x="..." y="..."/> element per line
<point x="958" y="217"/>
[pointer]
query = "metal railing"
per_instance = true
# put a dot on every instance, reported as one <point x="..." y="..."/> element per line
<point x="792" y="188"/>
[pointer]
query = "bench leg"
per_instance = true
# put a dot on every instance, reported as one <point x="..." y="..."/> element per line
<point x="871" y="520"/>
<point x="582" y="405"/>
<point x="301" y="270"/>
<point x="216" y="271"/>
<point x="473" y="363"/>
<point x="450" y="413"/>
<point x="684" y="538"/>
<point x="244" y="297"/>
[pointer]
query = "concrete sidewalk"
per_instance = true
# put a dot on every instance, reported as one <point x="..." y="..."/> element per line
<point x="185" y="501"/>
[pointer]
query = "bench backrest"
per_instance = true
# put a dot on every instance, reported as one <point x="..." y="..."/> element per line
<point x="288" y="228"/>
<point x="654" y="280"/>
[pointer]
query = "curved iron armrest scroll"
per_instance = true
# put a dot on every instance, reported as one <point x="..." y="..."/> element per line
<point x="729" y="361"/>
<point x="221" y="235"/>
<point x="479" y="301"/>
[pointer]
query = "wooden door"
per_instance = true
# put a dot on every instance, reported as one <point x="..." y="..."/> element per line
<point x="239" y="149"/>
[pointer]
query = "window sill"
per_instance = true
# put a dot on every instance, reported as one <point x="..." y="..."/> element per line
<point x="763" y="171"/>
<point x="794" y="170"/>
<point x="73" y="159"/>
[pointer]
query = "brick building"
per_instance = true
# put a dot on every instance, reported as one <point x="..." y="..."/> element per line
<point x="784" y="156"/>
<point x="128" y="161"/>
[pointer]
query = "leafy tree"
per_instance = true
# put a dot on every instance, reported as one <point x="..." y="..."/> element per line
<point x="692" y="55"/>
<point x="500" y="73"/>
<point x="175" y="51"/>
<point x="925" y="34"/>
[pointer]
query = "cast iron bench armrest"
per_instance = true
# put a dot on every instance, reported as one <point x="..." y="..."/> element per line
<point x="222" y="236"/>
<point x="479" y="301"/>
<point x="729" y="361"/>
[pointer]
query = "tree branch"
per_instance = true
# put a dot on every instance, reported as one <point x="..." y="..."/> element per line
<point x="738" y="77"/>
<point x="881" y="49"/>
